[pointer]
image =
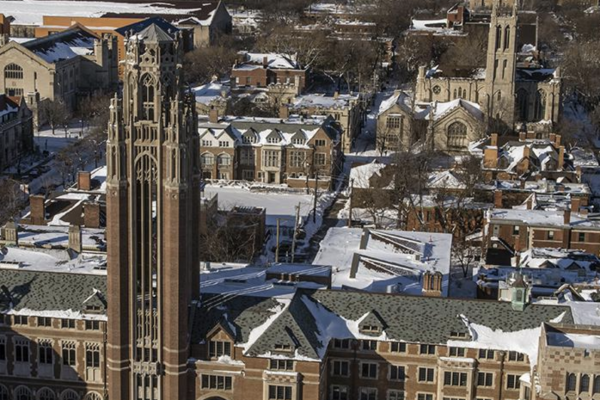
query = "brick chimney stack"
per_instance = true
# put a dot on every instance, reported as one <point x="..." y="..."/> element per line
<point x="75" y="239"/>
<point x="91" y="214"/>
<point x="561" y="157"/>
<point x="84" y="180"/>
<point x="567" y="217"/>
<point x="213" y="116"/>
<point x="37" y="206"/>
<point x="284" y="112"/>
<point x="575" y="204"/>
<point x="494" y="139"/>
<point x="498" y="199"/>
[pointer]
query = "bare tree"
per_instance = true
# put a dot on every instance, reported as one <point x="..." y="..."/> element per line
<point x="55" y="113"/>
<point x="11" y="198"/>
<point x="202" y="64"/>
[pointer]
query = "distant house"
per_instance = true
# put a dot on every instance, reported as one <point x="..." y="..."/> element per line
<point x="293" y="151"/>
<point x="62" y="66"/>
<point x="207" y="23"/>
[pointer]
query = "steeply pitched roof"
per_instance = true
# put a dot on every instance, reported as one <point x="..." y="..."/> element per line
<point x="138" y="27"/>
<point x="65" y="45"/>
<point x="50" y="293"/>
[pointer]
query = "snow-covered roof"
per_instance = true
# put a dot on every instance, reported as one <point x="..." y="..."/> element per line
<point x="274" y="60"/>
<point x="57" y="237"/>
<point x="209" y="92"/>
<point x="429" y="24"/>
<point x="52" y="260"/>
<point x="361" y="176"/>
<point x="387" y="258"/>
<point x="577" y="340"/>
<point x="63" y="45"/>
<point x="441" y="109"/>
<point x="403" y="99"/>
<point x="324" y="101"/>
<point x="31" y="12"/>
<point x="7" y="106"/>
<point x="542" y="218"/>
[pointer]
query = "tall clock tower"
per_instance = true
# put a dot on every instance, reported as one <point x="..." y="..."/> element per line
<point x="153" y="197"/>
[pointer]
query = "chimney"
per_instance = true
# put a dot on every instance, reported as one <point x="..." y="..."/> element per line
<point x="11" y="233"/>
<point x="498" y="198"/>
<point x="84" y="180"/>
<point x="37" y="214"/>
<point x="265" y="61"/>
<point x="490" y="157"/>
<point x="526" y="151"/>
<point x="336" y="94"/>
<point x="91" y="214"/>
<point x="567" y="217"/>
<point x="522" y="136"/>
<point x="522" y="184"/>
<point x="575" y="204"/>
<point x="530" y="202"/>
<point x="558" y="139"/>
<point x="75" y="238"/>
<point x="553" y="138"/>
<point x="561" y="157"/>
<point x="494" y="139"/>
<point x="578" y="172"/>
<point x="213" y="116"/>
<point x="284" y="112"/>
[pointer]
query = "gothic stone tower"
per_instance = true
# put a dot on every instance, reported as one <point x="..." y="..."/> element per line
<point x="501" y="65"/>
<point x="153" y="198"/>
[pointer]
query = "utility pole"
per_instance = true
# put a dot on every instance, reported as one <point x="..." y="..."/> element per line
<point x="277" y="248"/>
<point x="350" y="200"/>
<point x="295" y="232"/>
<point x="316" y="195"/>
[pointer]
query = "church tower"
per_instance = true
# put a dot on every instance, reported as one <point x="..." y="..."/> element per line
<point x="501" y="65"/>
<point x="153" y="198"/>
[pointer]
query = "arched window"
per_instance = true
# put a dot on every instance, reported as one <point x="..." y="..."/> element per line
<point x="540" y="105"/>
<point x="3" y="392"/>
<point x="498" y="37"/>
<point x="506" y="37"/>
<point x="455" y="94"/>
<point x="457" y="135"/>
<point x="596" y="388"/>
<point x="571" y="382"/>
<point x="224" y="160"/>
<point x="69" y="395"/>
<point x="584" y="384"/>
<point x="207" y="159"/>
<point x="23" y="393"/>
<point x="522" y="97"/>
<point x="13" y="71"/>
<point x="147" y="89"/>
<point x="45" y="394"/>
<point x="92" y="396"/>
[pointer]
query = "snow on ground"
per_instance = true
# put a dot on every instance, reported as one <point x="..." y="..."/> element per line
<point x="31" y="12"/>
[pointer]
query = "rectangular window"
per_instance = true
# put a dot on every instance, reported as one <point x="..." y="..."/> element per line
<point x="320" y="143"/>
<point x="424" y="396"/>
<point x="2" y="349"/>
<point x="457" y="352"/>
<point x="281" y="365"/>
<point x="341" y="343"/>
<point x="216" y="382"/>
<point x="485" y="379"/>
<point x="581" y="237"/>
<point x="340" y="368"/>
<point x="320" y="159"/>
<point x="92" y="325"/>
<point x="370" y="345"/>
<point x="339" y="392"/>
<point x="44" y="321"/>
<point x="20" y="320"/>
<point x="395" y="395"/>
<point x="247" y="157"/>
<point x="397" y="373"/>
<point x="427" y="349"/>
<point x="22" y="350"/>
<point x="68" y="354"/>
<point x="397" y="347"/>
<point x="550" y="235"/>
<point x="516" y="230"/>
<point x="271" y="158"/>
<point x="426" y="374"/>
<point x="393" y="122"/>
<point x="45" y="352"/>
<point x="248" y="175"/>
<point x="223" y="143"/>
<point x="486" y="354"/>
<point x="277" y="392"/>
<point x="513" y="382"/>
<point x="296" y="159"/>
<point x="515" y="356"/>
<point x="67" y="323"/>
<point x="92" y="355"/>
<point x="368" y="394"/>
<point x="368" y="370"/>
<point x="219" y="348"/>
<point x="282" y="347"/>
<point x="455" y="378"/>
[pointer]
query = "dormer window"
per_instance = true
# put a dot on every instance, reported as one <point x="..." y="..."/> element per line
<point x="273" y="139"/>
<point x="299" y="141"/>
<point x="218" y="348"/>
<point x="248" y="139"/>
<point x="370" y="329"/>
<point x="283" y="347"/>
<point x="223" y="143"/>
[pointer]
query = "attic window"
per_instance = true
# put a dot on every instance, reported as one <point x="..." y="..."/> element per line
<point x="283" y="347"/>
<point x="249" y="139"/>
<point x="298" y="141"/>
<point x="219" y="348"/>
<point x="460" y="335"/>
<point x="370" y="328"/>
<point x="272" y="139"/>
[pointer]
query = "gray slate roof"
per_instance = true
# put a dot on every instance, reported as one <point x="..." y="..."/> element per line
<point x="49" y="291"/>
<point x="414" y="319"/>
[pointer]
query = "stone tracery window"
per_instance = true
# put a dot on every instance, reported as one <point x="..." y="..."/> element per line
<point x="437" y="89"/>
<point x="148" y="89"/>
<point x="540" y="105"/>
<point x="13" y="71"/>
<point x="457" y="135"/>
